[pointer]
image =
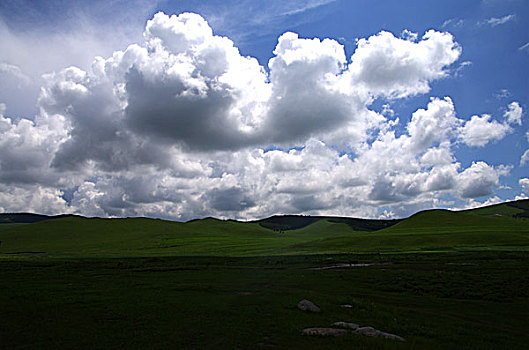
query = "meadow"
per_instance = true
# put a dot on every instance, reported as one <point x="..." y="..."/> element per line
<point x="439" y="279"/>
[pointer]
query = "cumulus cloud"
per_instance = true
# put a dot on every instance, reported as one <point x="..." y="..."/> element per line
<point x="396" y="68"/>
<point x="34" y="198"/>
<point x="514" y="113"/>
<point x="27" y="148"/>
<point x="478" y="131"/>
<point x="472" y="203"/>
<point x="479" y="180"/>
<point x="231" y="199"/>
<point x="524" y="183"/>
<point x="432" y="125"/>
<point x="192" y="89"/>
<point x="184" y="126"/>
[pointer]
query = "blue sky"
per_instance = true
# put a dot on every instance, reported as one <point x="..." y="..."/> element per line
<point x="379" y="120"/>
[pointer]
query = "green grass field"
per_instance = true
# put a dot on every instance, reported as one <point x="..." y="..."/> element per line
<point x="429" y="230"/>
<point x="443" y="280"/>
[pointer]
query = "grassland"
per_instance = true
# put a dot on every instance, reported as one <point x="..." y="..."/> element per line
<point x="448" y="280"/>
<point x="429" y="230"/>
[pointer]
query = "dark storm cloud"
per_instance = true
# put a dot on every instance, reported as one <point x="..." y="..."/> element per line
<point x="229" y="199"/>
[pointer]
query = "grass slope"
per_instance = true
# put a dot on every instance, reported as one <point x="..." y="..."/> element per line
<point x="428" y="230"/>
<point x="294" y="222"/>
<point x="516" y="209"/>
<point x="143" y="283"/>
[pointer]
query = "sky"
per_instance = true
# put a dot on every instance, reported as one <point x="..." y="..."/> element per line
<point x="245" y="109"/>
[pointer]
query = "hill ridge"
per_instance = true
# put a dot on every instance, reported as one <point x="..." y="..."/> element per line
<point x="501" y="228"/>
<point x="281" y="221"/>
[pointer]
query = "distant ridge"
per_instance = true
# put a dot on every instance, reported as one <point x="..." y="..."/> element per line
<point x="295" y="222"/>
<point x="515" y="209"/>
<point x="29" y="218"/>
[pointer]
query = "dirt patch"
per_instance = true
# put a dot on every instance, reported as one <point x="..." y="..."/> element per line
<point x="344" y="265"/>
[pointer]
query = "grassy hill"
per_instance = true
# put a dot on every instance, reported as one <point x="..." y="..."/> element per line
<point x="502" y="226"/>
<point x="294" y="222"/>
<point x="136" y="283"/>
<point x="27" y="218"/>
<point x="517" y="209"/>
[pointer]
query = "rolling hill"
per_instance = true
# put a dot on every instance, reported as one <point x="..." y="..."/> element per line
<point x="502" y="226"/>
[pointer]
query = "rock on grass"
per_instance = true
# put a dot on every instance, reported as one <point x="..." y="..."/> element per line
<point x="391" y="336"/>
<point x="324" y="332"/>
<point x="345" y="325"/>
<point x="369" y="331"/>
<point x="307" y="305"/>
<point x="372" y="332"/>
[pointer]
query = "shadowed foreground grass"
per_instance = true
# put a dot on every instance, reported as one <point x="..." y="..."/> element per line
<point x="475" y="300"/>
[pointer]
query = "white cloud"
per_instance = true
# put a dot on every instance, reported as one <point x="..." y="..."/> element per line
<point x="433" y="125"/>
<point x="409" y="35"/>
<point x="308" y="5"/>
<point x="18" y="89"/>
<point x="27" y="148"/>
<point x="524" y="183"/>
<point x="185" y="126"/>
<point x="514" y="113"/>
<point x="478" y="131"/>
<point x="14" y="71"/>
<point x="479" y="180"/>
<point x="387" y="110"/>
<point x="33" y="198"/>
<point x="524" y="159"/>
<point x="396" y="68"/>
<point x="194" y="90"/>
<point x="496" y="21"/>
<point x="452" y="23"/>
<point x="524" y="47"/>
<point x="472" y="203"/>
<point x="462" y="66"/>
<point x="69" y="35"/>
<point x="503" y="93"/>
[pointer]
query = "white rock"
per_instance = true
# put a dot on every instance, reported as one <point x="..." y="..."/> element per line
<point x="345" y="325"/>
<point x="391" y="336"/>
<point x="324" y="332"/>
<point x="307" y="305"/>
<point x="369" y="331"/>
